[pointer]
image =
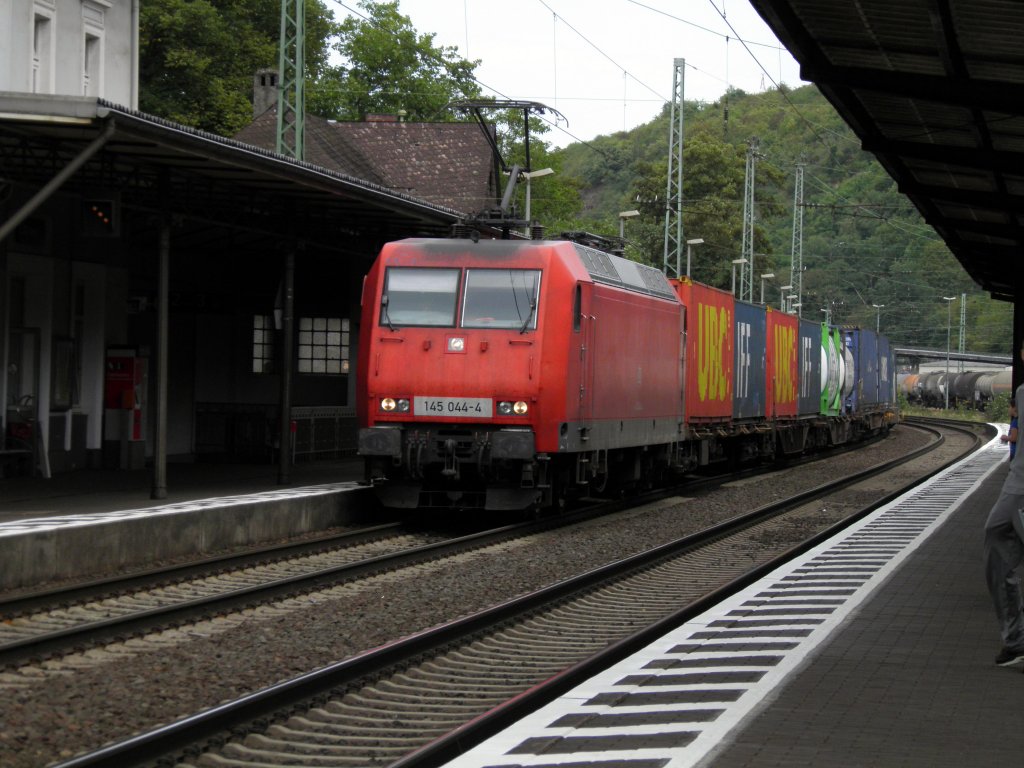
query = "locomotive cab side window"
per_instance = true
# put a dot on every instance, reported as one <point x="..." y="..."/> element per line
<point x="577" y="309"/>
<point x="501" y="298"/>
<point x="419" y="296"/>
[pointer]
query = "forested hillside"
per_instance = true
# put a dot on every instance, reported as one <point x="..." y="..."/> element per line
<point x="863" y="243"/>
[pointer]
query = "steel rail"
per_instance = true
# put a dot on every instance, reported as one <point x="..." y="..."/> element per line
<point x="230" y="717"/>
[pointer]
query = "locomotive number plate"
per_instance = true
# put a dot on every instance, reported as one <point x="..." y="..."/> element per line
<point x="454" y="407"/>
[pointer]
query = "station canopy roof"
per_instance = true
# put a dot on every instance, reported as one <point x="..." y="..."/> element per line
<point x="935" y="89"/>
<point x="162" y="167"/>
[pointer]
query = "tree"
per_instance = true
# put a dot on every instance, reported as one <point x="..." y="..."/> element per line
<point x="389" y="68"/>
<point x="198" y="57"/>
<point x="713" y="181"/>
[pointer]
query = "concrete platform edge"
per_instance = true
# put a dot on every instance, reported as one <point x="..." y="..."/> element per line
<point x="53" y="549"/>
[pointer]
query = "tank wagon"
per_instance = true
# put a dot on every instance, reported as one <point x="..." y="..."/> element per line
<point x="972" y="388"/>
<point x="503" y="374"/>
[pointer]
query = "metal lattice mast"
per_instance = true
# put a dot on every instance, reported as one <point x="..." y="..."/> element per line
<point x="291" y="91"/>
<point x="674" y="242"/>
<point x="747" y="250"/>
<point x="796" y="269"/>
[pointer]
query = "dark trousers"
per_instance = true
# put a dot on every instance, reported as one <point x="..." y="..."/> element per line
<point x="1004" y="553"/>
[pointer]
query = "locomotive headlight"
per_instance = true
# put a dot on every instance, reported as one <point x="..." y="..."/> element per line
<point x="456" y="344"/>
<point x="402" y="405"/>
<point x="388" y="404"/>
<point x="507" y="408"/>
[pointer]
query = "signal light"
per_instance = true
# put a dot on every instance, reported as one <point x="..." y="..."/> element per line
<point x="100" y="217"/>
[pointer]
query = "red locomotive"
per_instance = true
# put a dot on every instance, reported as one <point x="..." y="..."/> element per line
<point x="510" y="374"/>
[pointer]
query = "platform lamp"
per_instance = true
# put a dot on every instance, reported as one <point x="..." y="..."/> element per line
<point x="767" y="276"/>
<point x="528" y="175"/>
<point x="949" y="320"/>
<point x="623" y="215"/>
<point x="735" y="262"/>
<point x="689" y="253"/>
<point x="782" y="296"/>
<point x="878" y="317"/>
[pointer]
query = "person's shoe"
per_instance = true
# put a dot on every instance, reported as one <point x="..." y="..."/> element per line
<point x="1008" y="657"/>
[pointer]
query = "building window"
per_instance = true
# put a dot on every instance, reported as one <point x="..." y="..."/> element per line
<point x="42" y="51"/>
<point x="93" y="25"/>
<point x="323" y="345"/>
<point x="92" y="65"/>
<point x="262" y="344"/>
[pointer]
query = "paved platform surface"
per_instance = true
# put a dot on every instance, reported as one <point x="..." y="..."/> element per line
<point x="910" y="680"/>
<point x="875" y="649"/>
<point x="102" y="490"/>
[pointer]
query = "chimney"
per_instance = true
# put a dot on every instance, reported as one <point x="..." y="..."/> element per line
<point x="264" y="91"/>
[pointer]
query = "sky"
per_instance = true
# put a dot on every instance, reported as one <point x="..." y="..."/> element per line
<point x="605" y="65"/>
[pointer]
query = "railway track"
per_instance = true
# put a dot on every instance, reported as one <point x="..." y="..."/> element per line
<point x="401" y="704"/>
<point x="48" y="624"/>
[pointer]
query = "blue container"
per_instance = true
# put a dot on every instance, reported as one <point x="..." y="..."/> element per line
<point x="809" y="368"/>
<point x="862" y="345"/>
<point x="749" y="373"/>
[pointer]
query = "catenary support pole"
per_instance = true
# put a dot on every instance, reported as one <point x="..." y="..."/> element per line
<point x="284" y="456"/>
<point x="159" y="490"/>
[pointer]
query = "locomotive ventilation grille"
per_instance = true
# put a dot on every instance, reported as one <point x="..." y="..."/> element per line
<point x="614" y="270"/>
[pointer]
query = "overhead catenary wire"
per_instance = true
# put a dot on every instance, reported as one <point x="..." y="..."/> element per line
<point x="817" y="130"/>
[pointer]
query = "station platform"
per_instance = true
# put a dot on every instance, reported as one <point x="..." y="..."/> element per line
<point x="73" y="525"/>
<point x="876" y="648"/>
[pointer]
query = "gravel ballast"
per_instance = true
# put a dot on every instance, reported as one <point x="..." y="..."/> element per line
<point x="80" y="702"/>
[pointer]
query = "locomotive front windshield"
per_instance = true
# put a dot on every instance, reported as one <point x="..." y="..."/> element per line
<point x="415" y="296"/>
<point x="491" y="298"/>
<point x="501" y="298"/>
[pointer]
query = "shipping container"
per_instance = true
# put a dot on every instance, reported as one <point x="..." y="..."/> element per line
<point x="863" y="347"/>
<point x="809" y="394"/>
<point x="782" y="363"/>
<point x="709" y="352"/>
<point x="749" y="362"/>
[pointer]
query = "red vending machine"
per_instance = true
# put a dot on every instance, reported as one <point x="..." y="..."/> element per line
<point x="124" y="414"/>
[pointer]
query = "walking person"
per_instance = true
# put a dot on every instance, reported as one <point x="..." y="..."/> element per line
<point x="1004" y="554"/>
